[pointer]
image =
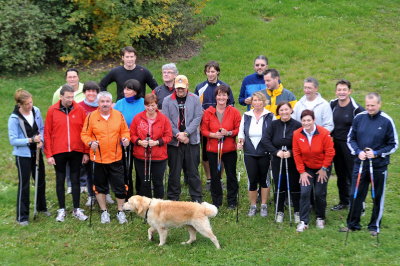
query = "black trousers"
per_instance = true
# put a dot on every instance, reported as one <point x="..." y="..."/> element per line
<point x="229" y="159"/>
<point x="75" y="161"/>
<point x="186" y="155"/>
<point x="319" y="192"/>
<point x="343" y="162"/>
<point x="110" y="174"/>
<point x="153" y="183"/>
<point x="380" y="176"/>
<point x="26" y="168"/>
<point x="294" y="184"/>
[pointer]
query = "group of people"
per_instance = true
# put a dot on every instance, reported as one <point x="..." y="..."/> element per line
<point x="297" y="139"/>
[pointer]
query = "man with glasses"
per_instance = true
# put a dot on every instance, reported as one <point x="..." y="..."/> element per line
<point x="169" y="73"/>
<point x="254" y="82"/>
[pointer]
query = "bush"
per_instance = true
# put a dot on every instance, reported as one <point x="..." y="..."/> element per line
<point x="24" y="30"/>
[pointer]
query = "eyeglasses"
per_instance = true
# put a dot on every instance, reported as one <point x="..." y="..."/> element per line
<point x="168" y="72"/>
<point x="262" y="65"/>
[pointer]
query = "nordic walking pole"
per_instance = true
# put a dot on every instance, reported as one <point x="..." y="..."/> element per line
<point x="279" y="187"/>
<point x="371" y="173"/>
<point x="127" y="176"/>
<point x="93" y="189"/>
<point x="288" y="188"/>
<point x="354" y="197"/>
<point x="36" y="181"/>
<point x="238" y="181"/>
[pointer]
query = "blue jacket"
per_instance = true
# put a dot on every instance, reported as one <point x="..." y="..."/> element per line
<point x="377" y="132"/>
<point x="206" y="93"/>
<point x="251" y="84"/>
<point x="17" y="133"/>
<point x="130" y="110"/>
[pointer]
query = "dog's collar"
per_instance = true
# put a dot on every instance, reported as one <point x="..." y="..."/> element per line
<point x="147" y="211"/>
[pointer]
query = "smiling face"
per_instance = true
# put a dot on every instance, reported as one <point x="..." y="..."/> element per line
<point x="151" y="108"/>
<point x="343" y="92"/>
<point x="285" y="112"/>
<point x="91" y="95"/>
<point x="222" y="98"/>
<point x="372" y="105"/>
<point x="260" y="65"/>
<point x="168" y="75"/>
<point x="212" y="75"/>
<point x="27" y="105"/>
<point x="129" y="93"/>
<point x="72" y="79"/>
<point x="308" y="123"/>
<point x="129" y="59"/>
<point x="310" y="91"/>
<point x="257" y="103"/>
<point x="181" y="92"/>
<point x="105" y="105"/>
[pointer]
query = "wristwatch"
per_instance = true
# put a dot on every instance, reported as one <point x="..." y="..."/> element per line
<point x="324" y="168"/>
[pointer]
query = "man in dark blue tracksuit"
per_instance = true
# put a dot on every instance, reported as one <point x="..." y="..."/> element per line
<point x="372" y="138"/>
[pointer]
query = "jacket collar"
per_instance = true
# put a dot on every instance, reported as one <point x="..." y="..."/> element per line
<point x="276" y="92"/>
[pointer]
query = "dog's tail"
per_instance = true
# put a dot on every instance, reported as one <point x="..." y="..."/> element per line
<point x="209" y="209"/>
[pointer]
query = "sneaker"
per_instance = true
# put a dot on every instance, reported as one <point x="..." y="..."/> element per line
<point x="89" y="201"/>
<point x="252" y="211"/>
<point x="109" y="200"/>
<point x="339" y="207"/>
<point x="78" y="213"/>
<point x="364" y="206"/>
<point x="69" y="190"/>
<point x="208" y="185"/>
<point x="23" y="223"/>
<point x="60" y="215"/>
<point x="121" y="217"/>
<point x="279" y="217"/>
<point x="263" y="210"/>
<point x="45" y="213"/>
<point x="296" y="217"/>
<point x="301" y="227"/>
<point x="84" y="190"/>
<point x="320" y="223"/>
<point x="105" y="217"/>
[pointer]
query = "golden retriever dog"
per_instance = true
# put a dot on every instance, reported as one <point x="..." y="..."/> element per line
<point x="163" y="214"/>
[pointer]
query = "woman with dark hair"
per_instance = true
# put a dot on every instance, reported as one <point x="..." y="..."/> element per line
<point x="150" y="132"/>
<point x="130" y="106"/>
<point x="313" y="154"/>
<point x="25" y="132"/>
<point x="252" y="133"/>
<point x="220" y="124"/>
<point x="279" y="143"/>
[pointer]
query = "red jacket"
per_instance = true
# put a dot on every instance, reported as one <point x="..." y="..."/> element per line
<point x="211" y="124"/>
<point x="62" y="132"/>
<point x="161" y="131"/>
<point x="319" y="154"/>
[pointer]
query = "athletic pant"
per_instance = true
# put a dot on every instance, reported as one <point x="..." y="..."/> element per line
<point x="82" y="176"/>
<point x="257" y="171"/>
<point x="153" y="183"/>
<point x="380" y="175"/>
<point x="343" y="162"/>
<point x="188" y="155"/>
<point x="294" y="184"/>
<point x="75" y="161"/>
<point x="113" y="174"/>
<point x="319" y="195"/>
<point x="128" y="170"/>
<point x="229" y="159"/>
<point x="26" y="168"/>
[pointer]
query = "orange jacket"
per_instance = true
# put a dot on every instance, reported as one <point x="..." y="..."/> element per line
<point x="108" y="133"/>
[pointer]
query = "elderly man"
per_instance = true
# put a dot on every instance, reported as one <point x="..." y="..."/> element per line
<point x="184" y="111"/>
<point x="72" y="79"/>
<point x="130" y="70"/>
<point x="103" y="131"/>
<point x="63" y="145"/>
<point x="312" y="100"/>
<point x="253" y="82"/>
<point x="372" y="138"/>
<point x="169" y="73"/>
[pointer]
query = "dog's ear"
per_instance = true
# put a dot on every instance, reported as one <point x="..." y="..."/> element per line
<point x="139" y="204"/>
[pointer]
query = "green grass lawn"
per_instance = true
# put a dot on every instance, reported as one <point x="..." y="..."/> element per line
<point x="358" y="40"/>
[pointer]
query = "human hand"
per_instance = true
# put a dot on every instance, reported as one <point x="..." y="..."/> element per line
<point x="51" y="161"/>
<point x="85" y="159"/>
<point x="322" y="176"/>
<point x="304" y="179"/>
<point x="247" y="100"/>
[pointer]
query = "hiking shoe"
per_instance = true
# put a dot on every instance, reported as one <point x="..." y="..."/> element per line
<point x="78" y="213"/>
<point x="373" y="233"/>
<point x="279" y="217"/>
<point x="320" y="223"/>
<point x="109" y="200"/>
<point x="69" y="190"/>
<point x="263" y="210"/>
<point x="60" y="215"/>
<point x="121" y="217"/>
<point x="23" y="223"/>
<point x="301" y="227"/>
<point x="345" y="229"/>
<point x="339" y="207"/>
<point x="89" y="201"/>
<point x="252" y="211"/>
<point x="105" y="217"/>
<point x="296" y="217"/>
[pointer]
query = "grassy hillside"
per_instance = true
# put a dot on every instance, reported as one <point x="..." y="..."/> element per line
<point x="357" y="40"/>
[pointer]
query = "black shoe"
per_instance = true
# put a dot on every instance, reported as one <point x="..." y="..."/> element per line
<point x="339" y="207"/>
<point x="232" y="206"/>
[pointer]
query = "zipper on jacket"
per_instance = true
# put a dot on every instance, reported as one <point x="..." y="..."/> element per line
<point x="69" y="139"/>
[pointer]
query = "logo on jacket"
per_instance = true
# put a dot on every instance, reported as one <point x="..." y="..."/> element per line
<point x="379" y="128"/>
<point x="302" y="139"/>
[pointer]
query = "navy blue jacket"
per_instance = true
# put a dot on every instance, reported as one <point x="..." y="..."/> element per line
<point x="377" y="132"/>
<point x="206" y="93"/>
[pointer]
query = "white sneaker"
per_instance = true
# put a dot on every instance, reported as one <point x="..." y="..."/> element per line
<point x="60" y="215"/>
<point x="105" y="217"/>
<point x="252" y="211"/>
<point x="89" y="201"/>
<point x="296" y="217"/>
<point x="279" y="217"/>
<point x="263" y="210"/>
<point x="83" y="189"/>
<point x="69" y="190"/>
<point x="320" y="223"/>
<point x="121" y="217"/>
<point x="301" y="227"/>
<point x="78" y="213"/>
<point x="109" y="200"/>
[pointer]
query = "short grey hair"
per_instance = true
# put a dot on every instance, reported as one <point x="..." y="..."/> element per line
<point x="104" y="94"/>
<point x="313" y="81"/>
<point x="66" y="88"/>
<point x="171" y="66"/>
<point x="374" y="95"/>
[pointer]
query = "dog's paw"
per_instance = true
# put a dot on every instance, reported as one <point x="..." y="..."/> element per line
<point x="184" y="243"/>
